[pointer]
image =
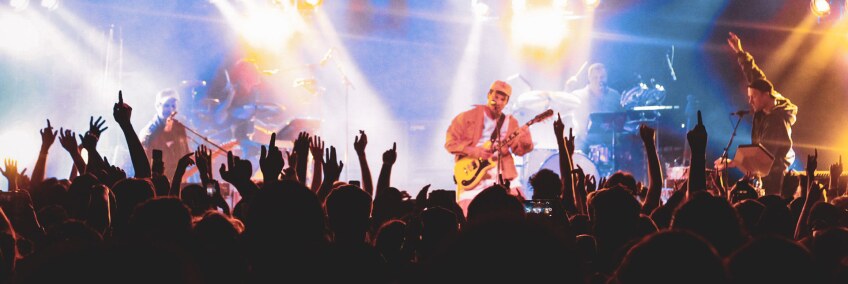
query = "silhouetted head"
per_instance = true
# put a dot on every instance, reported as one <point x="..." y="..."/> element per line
<point x="349" y="211"/>
<point x="494" y="202"/>
<point x="161" y="219"/>
<point x="625" y="180"/>
<point x="750" y="210"/>
<point x="712" y="218"/>
<point x="196" y="198"/>
<point x="771" y="259"/>
<point x="657" y="258"/>
<point x="546" y="184"/>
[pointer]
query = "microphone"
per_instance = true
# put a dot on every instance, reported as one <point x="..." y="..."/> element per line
<point x="740" y="113"/>
<point x="326" y="57"/>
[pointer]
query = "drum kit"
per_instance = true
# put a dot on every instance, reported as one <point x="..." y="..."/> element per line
<point x="642" y="104"/>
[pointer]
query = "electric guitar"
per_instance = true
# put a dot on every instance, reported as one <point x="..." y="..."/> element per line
<point x="468" y="171"/>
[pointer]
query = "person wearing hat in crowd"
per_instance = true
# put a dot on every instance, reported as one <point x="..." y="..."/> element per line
<point x="471" y="129"/>
<point x="774" y="116"/>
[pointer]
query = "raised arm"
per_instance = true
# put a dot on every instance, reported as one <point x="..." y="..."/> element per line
<point x="332" y="169"/>
<point x="68" y="140"/>
<point x="238" y="172"/>
<point x="389" y="158"/>
<point x="655" y="178"/>
<point x="814" y="194"/>
<point x="122" y="113"/>
<point x="359" y="144"/>
<point x="746" y="61"/>
<point x="697" y="138"/>
<point x="184" y="162"/>
<point x="566" y="148"/>
<point x="301" y="151"/>
<point x="317" y="149"/>
<point x="11" y="174"/>
<point x="48" y="136"/>
<point x="271" y="161"/>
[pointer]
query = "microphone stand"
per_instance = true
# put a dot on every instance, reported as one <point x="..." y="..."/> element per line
<point x="725" y="175"/>
<point x="205" y="139"/>
<point x="348" y="86"/>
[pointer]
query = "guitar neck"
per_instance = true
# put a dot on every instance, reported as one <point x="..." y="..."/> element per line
<point x="512" y="136"/>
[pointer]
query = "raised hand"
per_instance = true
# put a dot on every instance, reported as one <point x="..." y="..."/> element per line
<point x="360" y="142"/>
<point x="236" y="170"/>
<point x="11" y="173"/>
<point x="96" y="127"/>
<point x="591" y="184"/>
<point x="697" y="137"/>
<point x="89" y="141"/>
<point x="812" y="164"/>
<point x="301" y="144"/>
<point x="559" y="127"/>
<point x="734" y="42"/>
<point x="121" y="112"/>
<point x="647" y="133"/>
<point x="836" y="169"/>
<point x="569" y="142"/>
<point x="48" y="136"/>
<point x="68" y="140"/>
<point x="271" y="160"/>
<point x="316" y="147"/>
<point x="290" y="173"/>
<point x="203" y="159"/>
<point x="332" y="166"/>
<point x="390" y="156"/>
<point x="185" y="161"/>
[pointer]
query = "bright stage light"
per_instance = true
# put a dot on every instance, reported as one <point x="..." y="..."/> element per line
<point x="820" y="7"/>
<point x="481" y="10"/>
<point x="19" y="5"/>
<point x="314" y="2"/>
<point x="50" y="4"/>
<point x="591" y="4"/>
<point x="541" y="28"/>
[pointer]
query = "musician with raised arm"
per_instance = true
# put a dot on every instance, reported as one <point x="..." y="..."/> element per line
<point x="774" y="116"/>
<point x="472" y="132"/>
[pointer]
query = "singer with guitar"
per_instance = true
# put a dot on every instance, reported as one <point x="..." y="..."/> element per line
<point x="471" y="135"/>
<point x="163" y="133"/>
<point x="774" y="116"/>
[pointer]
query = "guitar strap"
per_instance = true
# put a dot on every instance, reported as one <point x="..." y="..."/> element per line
<point x="497" y="128"/>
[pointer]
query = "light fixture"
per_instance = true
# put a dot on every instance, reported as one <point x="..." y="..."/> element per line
<point x="591" y="4"/>
<point x="480" y="9"/>
<point x="820" y="8"/>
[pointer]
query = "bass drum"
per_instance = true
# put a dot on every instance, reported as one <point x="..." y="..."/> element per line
<point x="552" y="163"/>
<point x="549" y="159"/>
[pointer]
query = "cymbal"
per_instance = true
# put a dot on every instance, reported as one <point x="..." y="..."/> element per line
<point x="540" y="100"/>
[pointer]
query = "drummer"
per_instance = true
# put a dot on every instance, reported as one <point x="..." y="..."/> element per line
<point x="596" y="96"/>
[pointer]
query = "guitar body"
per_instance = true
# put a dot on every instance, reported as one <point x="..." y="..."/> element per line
<point x="468" y="172"/>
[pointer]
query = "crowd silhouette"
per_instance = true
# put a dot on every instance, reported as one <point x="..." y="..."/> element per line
<point x="101" y="226"/>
